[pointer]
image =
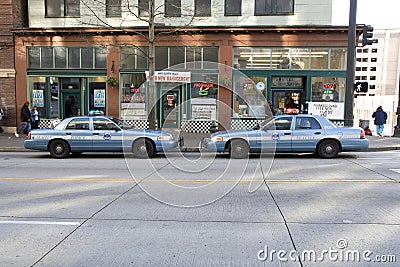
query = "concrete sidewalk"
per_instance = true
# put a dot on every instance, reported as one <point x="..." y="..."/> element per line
<point x="9" y="143"/>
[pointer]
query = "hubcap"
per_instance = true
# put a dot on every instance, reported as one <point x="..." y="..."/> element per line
<point x="59" y="149"/>
<point x="329" y="149"/>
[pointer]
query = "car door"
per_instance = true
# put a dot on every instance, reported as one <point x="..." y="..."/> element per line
<point x="107" y="136"/>
<point x="306" y="134"/>
<point x="78" y="134"/>
<point x="277" y="134"/>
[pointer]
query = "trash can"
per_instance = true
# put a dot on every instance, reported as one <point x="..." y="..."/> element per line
<point x="364" y="124"/>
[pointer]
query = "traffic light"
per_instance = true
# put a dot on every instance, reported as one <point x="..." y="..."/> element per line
<point x="367" y="35"/>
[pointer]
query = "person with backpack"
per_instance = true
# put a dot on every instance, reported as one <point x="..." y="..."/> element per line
<point x="380" y="118"/>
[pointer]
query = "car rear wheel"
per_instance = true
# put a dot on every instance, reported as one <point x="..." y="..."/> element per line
<point x="328" y="149"/>
<point x="59" y="149"/>
<point x="239" y="149"/>
<point x="143" y="148"/>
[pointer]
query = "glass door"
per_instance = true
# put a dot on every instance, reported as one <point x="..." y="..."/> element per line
<point x="70" y="97"/>
<point x="170" y="110"/>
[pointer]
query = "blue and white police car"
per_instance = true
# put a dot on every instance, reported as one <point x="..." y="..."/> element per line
<point x="98" y="134"/>
<point x="289" y="134"/>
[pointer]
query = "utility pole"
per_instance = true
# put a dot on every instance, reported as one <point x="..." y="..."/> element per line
<point x="351" y="47"/>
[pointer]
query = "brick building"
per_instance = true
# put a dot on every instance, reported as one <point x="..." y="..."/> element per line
<point x="12" y="15"/>
<point x="287" y="50"/>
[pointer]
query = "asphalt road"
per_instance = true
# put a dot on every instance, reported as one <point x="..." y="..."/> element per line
<point x="191" y="210"/>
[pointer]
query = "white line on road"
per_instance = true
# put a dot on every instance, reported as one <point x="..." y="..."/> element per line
<point x="41" y="223"/>
<point x="395" y="170"/>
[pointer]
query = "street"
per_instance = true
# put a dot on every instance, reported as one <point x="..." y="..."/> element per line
<point x="199" y="210"/>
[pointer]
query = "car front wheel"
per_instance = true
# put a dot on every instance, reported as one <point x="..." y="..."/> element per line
<point x="143" y="148"/>
<point x="239" y="149"/>
<point x="328" y="149"/>
<point x="59" y="149"/>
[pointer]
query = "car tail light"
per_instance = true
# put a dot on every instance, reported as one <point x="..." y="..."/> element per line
<point x="362" y="135"/>
<point x="29" y="135"/>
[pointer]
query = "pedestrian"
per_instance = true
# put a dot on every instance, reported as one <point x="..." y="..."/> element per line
<point x="68" y="109"/>
<point x="380" y="118"/>
<point x="35" y="117"/>
<point x="271" y="107"/>
<point x="1" y="118"/>
<point x="25" y="118"/>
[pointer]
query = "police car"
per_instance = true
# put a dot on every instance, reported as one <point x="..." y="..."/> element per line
<point x="98" y="134"/>
<point x="289" y="134"/>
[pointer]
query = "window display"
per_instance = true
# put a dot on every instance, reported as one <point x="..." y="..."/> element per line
<point x="249" y="97"/>
<point x="133" y="96"/>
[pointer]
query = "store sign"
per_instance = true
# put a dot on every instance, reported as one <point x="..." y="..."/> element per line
<point x="38" y="98"/>
<point x="203" y="88"/>
<point x="99" y="98"/>
<point x="170" y="76"/>
<point x="330" y="110"/>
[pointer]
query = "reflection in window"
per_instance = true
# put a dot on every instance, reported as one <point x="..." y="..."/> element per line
<point x="202" y="8"/>
<point x="204" y="94"/>
<point x="233" y="7"/>
<point x="62" y="8"/>
<point x="268" y="7"/>
<point x="249" y="97"/>
<point x="172" y="8"/>
<point x="37" y="87"/>
<point x="97" y="94"/>
<point x="338" y="59"/>
<point x="101" y="124"/>
<point x="327" y="89"/>
<point x="133" y="96"/>
<point x="306" y="123"/>
<point x="113" y="8"/>
<point x="319" y="58"/>
<point x="78" y="124"/>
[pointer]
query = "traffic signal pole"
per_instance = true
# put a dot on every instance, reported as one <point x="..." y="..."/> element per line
<point x="351" y="51"/>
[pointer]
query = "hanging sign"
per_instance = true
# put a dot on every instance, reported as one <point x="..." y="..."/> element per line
<point x="171" y="76"/>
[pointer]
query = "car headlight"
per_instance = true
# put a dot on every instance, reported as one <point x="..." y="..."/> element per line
<point x="217" y="138"/>
<point x="164" y="137"/>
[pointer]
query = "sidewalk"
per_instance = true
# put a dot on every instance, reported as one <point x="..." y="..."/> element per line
<point x="9" y="143"/>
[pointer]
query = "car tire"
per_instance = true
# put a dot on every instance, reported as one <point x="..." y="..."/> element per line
<point x="239" y="149"/>
<point x="143" y="148"/>
<point x="328" y="149"/>
<point x="59" y="149"/>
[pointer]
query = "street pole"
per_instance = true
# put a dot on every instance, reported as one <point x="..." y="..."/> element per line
<point x="351" y="47"/>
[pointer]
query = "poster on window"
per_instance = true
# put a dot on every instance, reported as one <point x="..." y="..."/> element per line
<point x="204" y="112"/>
<point x="330" y="110"/>
<point x="99" y="98"/>
<point x="38" y="98"/>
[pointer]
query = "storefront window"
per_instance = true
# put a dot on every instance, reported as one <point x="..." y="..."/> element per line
<point x="37" y="86"/>
<point x="328" y="89"/>
<point x="338" y="58"/>
<point x="204" y="94"/>
<point x="97" y="94"/>
<point x="319" y="58"/>
<point x="133" y="96"/>
<point x="300" y="58"/>
<point x="249" y="97"/>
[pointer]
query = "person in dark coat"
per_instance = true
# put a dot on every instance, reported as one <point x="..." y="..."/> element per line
<point x="25" y="118"/>
<point x="380" y="118"/>
<point x="68" y="109"/>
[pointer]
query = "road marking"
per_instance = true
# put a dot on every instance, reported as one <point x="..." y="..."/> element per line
<point x="395" y="170"/>
<point x="129" y="180"/>
<point x="41" y="223"/>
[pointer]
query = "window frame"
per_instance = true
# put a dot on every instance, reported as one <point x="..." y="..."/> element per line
<point x="172" y="5"/>
<point x="113" y="9"/>
<point x="274" y="8"/>
<point x="233" y="3"/>
<point x="66" y="8"/>
<point x="202" y="8"/>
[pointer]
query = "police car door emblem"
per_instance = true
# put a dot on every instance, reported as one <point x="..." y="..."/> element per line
<point x="107" y="136"/>
<point x="275" y="136"/>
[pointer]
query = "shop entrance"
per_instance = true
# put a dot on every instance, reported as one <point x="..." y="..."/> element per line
<point x="71" y="101"/>
<point x="170" y="108"/>
<point x="288" y="101"/>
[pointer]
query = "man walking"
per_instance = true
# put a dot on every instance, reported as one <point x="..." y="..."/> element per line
<point x="380" y="117"/>
<point x="25" y="118"/>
